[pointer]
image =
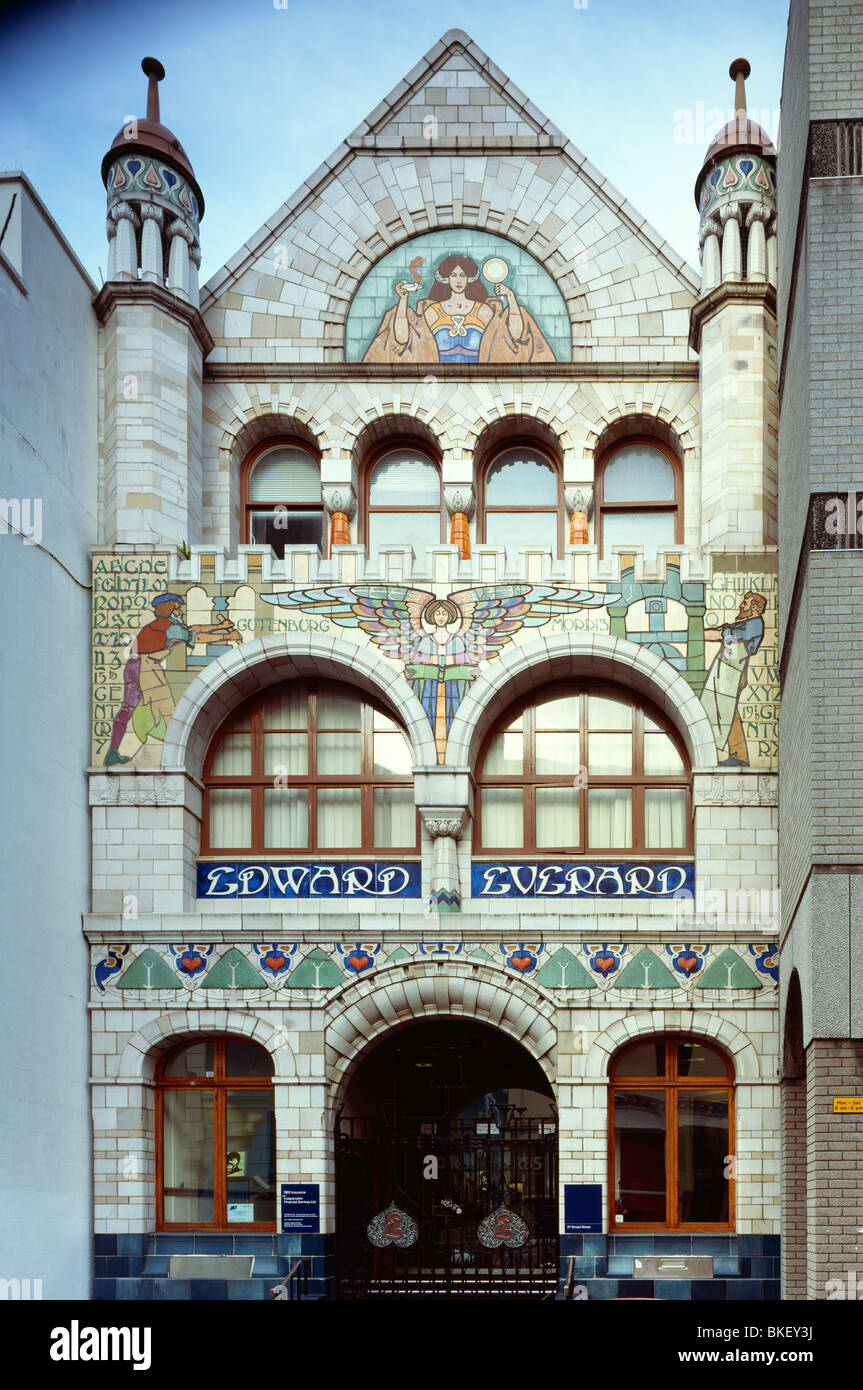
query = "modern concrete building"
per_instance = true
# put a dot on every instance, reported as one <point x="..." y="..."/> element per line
<point x="821" y="483"/>
<point x="433" y="769"/>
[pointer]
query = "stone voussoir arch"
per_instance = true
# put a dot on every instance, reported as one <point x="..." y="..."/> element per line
<point x="145" y="1047"/>
<point x="677" y="427"/>
<point x="698" y="1022"/>
<point x="525" y="667"/>
<point x="365" y="1010"/>
<point x="254" y="666"/>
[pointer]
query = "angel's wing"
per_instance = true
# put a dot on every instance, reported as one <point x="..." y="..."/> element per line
<point x="494" y="613"/>
<point x="390" y="615"/>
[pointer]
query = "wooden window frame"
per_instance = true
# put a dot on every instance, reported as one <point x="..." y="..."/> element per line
<point x="484" y="510"/>
<point x="604" y="508"/>
<point x="218" y="1086"/>
<point x="367" y="780"/>
<point x="530" y="780"/>
<point x="671" y="1084"/>
<point x="247" y="506"/>
<point x="371" y="462"/>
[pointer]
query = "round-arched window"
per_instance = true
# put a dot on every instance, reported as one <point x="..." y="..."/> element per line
<point x="284" y="504"/>
<point x="583" y="768"/>
<point x="639" y="497"/>
<point x="671" y="1136"/>
<point x="404" y="502"/>
<point x="216" y="1136"/>
<point x="521" y="501"/>
<point x="309" y="767"/>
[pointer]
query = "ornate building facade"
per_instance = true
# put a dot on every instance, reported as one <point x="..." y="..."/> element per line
<point x="433" y="776"/>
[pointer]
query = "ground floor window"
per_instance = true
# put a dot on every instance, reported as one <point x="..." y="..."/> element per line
<point x="216" y="1156"/>
<point x="672" y="1126"/>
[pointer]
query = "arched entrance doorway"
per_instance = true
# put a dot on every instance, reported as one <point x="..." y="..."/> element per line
<point x="446" y="1167"/>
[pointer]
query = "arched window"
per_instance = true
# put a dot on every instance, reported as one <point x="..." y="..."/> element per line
<point x="216" y="1146"/>
<point x="308" y="767"/>
<point x="640" y="488"/>
<point x="583" y="768"/>
<point x="672" y="1130"/>
<point x="283" y="502"/>
<point x="404" y="501"/>
<point x="520" y="502"/>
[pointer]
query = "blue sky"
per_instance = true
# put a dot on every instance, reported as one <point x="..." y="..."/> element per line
<point x="260" y="95"/>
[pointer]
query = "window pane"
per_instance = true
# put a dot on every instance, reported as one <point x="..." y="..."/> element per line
<point x="702" y="1155"/>
<point x="196" y="1060"/>
<point x="520" y="477"/>
<point x="338" y="710"/>
<point x="340" y="752"/>
<point x="661" y="758"/>
<point x="284" y="708"/>
<point x="505" y="755"/>
<point x="638" y="473"/>
<point x="286" y="818"/>
<point x="695" y="1059"/>
<point x="608" y="714"/>
<point x="392" y="754"/>
<point x="233" y="756"/>
<point x="515" y="529"/>
<point x="561" y="713"/>
<point x="665" y="817"/>
<point x="557" y="818"/>
<point x="250" y="1158"/>
<point x="639" y="1156"/>
<point x="395" y="817"/>
<point x="285" y="526"/>
<point x="610" y="818"/>
<point x="609" y="755"/>
<point x="285" y="474"/>
<point x="644" y="1059"/>
<point x="650" y="529"/>
<point x="230" y="818"/>
<point x="404" y="478"/>
<point x="419" y="529"/>
<point x="187" y="1154"/>
<point x="245" y="1059"/>
<point x="287" y="754"/>
<point x="557" y="753"/>
<point x="503" y="817"/>
<point x="340" y="818"/>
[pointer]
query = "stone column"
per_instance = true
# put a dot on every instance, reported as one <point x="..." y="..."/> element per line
<point x="445" y="826"/>
<point x="178" y="258"/>
<point x="152" y="256"/>
<point x="126" y="252"/>
<point x="341" y="503"/>
<point x="732" y="259"/>
<point x="710" y="237"/>
<point x="579" y="506"/>
<point x="461" y="504"/>
<point x="756" y="251"/>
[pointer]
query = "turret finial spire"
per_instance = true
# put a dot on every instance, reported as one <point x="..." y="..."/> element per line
<point x="155" y="72"/>
<point x="738" y="72"/>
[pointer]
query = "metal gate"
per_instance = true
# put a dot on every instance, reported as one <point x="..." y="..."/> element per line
<point x="447" y="1208"/>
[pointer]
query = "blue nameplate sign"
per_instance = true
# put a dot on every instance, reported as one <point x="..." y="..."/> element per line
<point x="352" y="880"/>
<point x="582" y="1208"/>
<point x="301" y="1207"/>
<point x="564" y="879"/>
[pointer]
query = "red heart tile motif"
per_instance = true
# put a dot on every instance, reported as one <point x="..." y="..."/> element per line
<point x="604" y="963"/>
<point x="359" y="962"/>
<point x="687" y="964"/>
<point x="274" y="962"/>
<point x="191" y="963"/>
<point x="521" y="962"/>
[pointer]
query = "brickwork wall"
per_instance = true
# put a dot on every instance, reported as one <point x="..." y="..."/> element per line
<point x="834" y="1165"/>
<point x="794" y="1237"/>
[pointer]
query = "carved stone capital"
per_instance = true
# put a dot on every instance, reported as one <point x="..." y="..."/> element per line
<point x="340" y="499"/>
<point x="152" y="210"/>
<point x="449" y="821"/>
<point x="730" y="212"/>
<point x="460" y="498"/>
<point x="579" y="499"/>
<point x="758" y="212"/>
<point x="178" y="228"/>
<point x="125" y="210"/>
<point x="711" y="226"/>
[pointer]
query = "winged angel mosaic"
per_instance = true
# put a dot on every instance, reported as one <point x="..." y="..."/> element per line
<point x="442" y="643"/>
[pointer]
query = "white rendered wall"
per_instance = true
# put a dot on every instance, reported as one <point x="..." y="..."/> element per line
<point x="48" y="452"/>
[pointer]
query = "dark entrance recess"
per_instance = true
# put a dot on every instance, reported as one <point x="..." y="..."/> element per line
<point x="446" y="1168"/>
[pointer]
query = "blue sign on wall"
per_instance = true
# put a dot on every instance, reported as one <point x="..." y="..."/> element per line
<point x="576" y="879"/>
<point x="582" y="1208"/>
<point x="301" y="1207"/>
<point x="352" y="880"/>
